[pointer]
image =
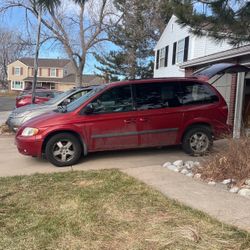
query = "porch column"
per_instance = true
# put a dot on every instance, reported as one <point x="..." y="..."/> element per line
<point x="238" y="105"/>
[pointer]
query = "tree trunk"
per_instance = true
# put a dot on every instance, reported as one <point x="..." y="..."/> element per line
<point x="79" y="72"/>
<point x="79" y="79"/>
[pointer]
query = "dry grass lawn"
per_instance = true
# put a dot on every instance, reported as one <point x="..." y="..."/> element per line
<point x="102" y="210"/>
<point x="232" y="162"/>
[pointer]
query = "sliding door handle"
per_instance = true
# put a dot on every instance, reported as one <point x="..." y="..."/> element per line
<point x="128" y="121"/>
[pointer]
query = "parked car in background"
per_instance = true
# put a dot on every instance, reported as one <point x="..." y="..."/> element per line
<point x="42" y="95"/>
<point x="20" y="115"/>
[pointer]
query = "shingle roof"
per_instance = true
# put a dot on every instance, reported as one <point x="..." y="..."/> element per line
<point x="227" y="54"/>
<point x="45" y="62"/>
<point x="44" y="79"/>
<point x="88" y="79"/>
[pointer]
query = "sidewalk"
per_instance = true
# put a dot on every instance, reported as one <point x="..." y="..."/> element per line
<point x="218" y="203"/>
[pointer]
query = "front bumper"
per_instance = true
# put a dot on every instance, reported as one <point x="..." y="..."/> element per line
<point x="29" y="145"/>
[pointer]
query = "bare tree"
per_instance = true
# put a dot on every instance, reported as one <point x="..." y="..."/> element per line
<point x="79" y="28"/>
<point x="12" y="47"/>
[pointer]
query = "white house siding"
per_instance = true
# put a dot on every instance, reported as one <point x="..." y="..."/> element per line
<point x="204" y="46"/>
<point x="198" y="47"/>
<point x="172" y="33"/>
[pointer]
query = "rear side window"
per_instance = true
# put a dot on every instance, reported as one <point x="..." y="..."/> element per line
<point x="197" y="93"/>
<point x="156" y="95"/>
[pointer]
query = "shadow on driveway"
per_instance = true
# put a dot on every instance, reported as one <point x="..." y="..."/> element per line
<point x="13" y="163"/>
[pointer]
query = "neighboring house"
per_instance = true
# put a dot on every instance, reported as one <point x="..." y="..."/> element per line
<point x="52" y="73"/>
<point x="235" y="88"/>
<point x="177" y="45"/>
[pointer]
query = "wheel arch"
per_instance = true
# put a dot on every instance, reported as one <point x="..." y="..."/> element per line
<point x="52" y="133"/>
<point x="196" y="124"/>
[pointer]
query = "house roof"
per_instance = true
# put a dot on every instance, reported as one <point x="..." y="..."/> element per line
<point x="162" y="37"/>
<point x="227" y="54"/>
<point x="45" y="62"/>
<point x="87" y="79"/>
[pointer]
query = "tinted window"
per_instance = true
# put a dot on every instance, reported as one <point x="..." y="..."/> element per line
<point x="196" y="93"/>
<point x="156" y="95"/>
<point x="114" y="100"/>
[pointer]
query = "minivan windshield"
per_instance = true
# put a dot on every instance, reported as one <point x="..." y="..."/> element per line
<point x="59" y="97"/>
<point x="77" y="103"/>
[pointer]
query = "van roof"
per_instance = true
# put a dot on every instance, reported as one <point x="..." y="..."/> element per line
<point x="150" y="80"/>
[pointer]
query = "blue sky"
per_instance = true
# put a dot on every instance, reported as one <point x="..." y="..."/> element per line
<point x="15" y="19"/>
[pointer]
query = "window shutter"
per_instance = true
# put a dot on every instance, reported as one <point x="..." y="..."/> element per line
<point x="13" y="70"/>
<point x="32" y="71"/>
<point x="186" y="49"/>
<point x="21" y="71"/>
<point x="166" y="57"/>
<point x="157" y="59"/>
<point x="57" y="72"/>
<point x="174" y="53"/>
<point x="48" y="71"/>
<point x="40" y="71"/>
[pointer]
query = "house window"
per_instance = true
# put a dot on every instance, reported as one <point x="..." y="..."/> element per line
<point x="162" y="57"/>
<point x="180" y="51"/>
<point x="17" y="71"/>
<point x="17" y="85"/>
<point x="52" y="86"/>
<point x="53" y="72"/>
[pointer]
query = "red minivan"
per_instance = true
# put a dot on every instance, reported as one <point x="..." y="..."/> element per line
<point x="129" y="114"/>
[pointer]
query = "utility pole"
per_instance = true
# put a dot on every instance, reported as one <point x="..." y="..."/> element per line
<point x="39" y="18"/>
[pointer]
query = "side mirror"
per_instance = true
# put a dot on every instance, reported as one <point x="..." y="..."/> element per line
<point x="89" y="109"/>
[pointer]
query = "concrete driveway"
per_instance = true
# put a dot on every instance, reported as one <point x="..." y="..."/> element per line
<point x="13" y="163"/>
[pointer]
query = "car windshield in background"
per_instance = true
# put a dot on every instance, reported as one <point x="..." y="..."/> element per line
<point x="77" y="103"/>
<point x="59" y="97"/>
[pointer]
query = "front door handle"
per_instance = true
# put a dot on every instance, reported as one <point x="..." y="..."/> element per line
<point x="143" y="119"/>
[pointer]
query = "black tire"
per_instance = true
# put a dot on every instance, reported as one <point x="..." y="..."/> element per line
<point x="63" y="149"/>
<point x="193" y="142"/>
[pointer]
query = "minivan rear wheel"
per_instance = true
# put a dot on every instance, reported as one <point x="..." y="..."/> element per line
<point x="63" y="149"/>
<point x="197" y="140"/>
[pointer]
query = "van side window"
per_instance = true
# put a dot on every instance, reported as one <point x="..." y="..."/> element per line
<point x="156" y="95"/>
<point x="118" y="99"/>
<point x="197" y="93"/>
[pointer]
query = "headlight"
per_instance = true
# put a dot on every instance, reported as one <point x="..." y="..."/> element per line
<point x="30" y="131"/>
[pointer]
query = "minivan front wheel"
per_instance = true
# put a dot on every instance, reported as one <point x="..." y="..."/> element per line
<point x="197" y="141"/>
<point x="63" y="149"/>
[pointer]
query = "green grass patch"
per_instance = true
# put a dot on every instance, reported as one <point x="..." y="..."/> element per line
<point x="102" y="210"/>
